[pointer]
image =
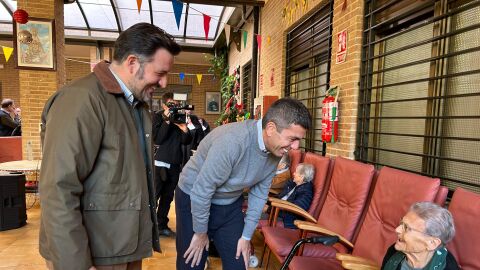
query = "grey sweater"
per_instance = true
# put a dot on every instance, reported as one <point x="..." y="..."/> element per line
<point x="227" y="161"/>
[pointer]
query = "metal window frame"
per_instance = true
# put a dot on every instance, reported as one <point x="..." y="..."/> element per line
<point x="376" y="32"/>
<point x="311" y="63"/>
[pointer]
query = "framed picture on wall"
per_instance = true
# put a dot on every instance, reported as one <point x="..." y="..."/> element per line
<point x="213" y="102"/>
<point x="35" y="44"/>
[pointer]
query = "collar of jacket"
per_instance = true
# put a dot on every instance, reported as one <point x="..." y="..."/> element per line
<point x="106" y="78"/>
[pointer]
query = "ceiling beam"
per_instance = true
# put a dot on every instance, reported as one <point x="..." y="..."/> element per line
<point x="116" y="16"/>
<point x="6" y="7"/>
<point x="104" y="43"/>
<point x="83" y="15"/>
<point x="231" y="3"/>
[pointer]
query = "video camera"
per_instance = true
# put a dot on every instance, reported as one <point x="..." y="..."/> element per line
<point x="177" y="112"/>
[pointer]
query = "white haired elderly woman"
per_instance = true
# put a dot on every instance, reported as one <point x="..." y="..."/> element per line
<point x="299" y="191"/>
<point x="422" y="235"/>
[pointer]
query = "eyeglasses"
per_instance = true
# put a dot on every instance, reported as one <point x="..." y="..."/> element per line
<point x="406" y="228"/>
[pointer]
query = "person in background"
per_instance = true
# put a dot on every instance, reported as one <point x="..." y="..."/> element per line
<point x="197" y="131"/>
<point x="423" y="234"/>
<point x="233" y="157"/>
<point x="205" y="125"/>
<point x="97" y="189"/>
<point x="9" y="120"/>
<point x="298" y="191"/>
<point x="169" y="137"/>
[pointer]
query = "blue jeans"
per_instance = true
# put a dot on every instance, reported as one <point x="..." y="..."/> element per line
<point x="225" y="228"/>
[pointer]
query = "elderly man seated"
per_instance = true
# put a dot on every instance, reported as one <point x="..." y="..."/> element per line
<point x="422" y="235"/>
<point x="9" y="121"/>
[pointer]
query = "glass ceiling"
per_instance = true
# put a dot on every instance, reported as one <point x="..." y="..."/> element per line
<point x="97" y="19"/>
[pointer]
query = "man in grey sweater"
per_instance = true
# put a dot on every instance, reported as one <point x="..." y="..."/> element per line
<point x="233" y="157"/>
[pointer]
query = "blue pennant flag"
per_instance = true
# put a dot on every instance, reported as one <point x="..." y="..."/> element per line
<point x="177" y="9"/>
<point x="182" y="76"/>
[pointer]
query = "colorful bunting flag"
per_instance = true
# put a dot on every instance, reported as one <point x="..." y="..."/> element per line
<point x="139" y="5"/>
<point x="199" y="78"/>
<point x="227" y="33"/>
<point x="206" y="24"/>
<point x="259" y="42"/>
<point x="7" y="52"/>
<point x="269" y="39"/>
<point x="245" y="35"/>
<point x="177" y="9"/>
<point x="182" y="76"/>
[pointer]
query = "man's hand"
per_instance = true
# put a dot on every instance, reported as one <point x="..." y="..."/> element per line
<point x="243" y="248"/>
<point x="195" y="250"/>
<point x="92" y="268"/>
<point x="182" y="126"/>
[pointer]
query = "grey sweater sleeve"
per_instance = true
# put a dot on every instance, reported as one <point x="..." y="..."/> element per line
<point x="216" y="170"/>
<point x="257" y="197"/>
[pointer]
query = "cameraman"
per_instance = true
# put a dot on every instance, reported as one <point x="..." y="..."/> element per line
<point x="169" y="137"/>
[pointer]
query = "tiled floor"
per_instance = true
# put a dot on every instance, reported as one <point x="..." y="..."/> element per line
<point x="19" y="248"/>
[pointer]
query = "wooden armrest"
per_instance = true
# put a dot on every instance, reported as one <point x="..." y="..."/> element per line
<point x="313" y="227"/>
<point x="357" y="266"/>
<point x="273" y="199"/>
<point x="355" y="262"/>
<point x="293" y="208"/>
<point x="274" y="191"/>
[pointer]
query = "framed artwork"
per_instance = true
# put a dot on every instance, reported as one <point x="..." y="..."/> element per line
<point x="35" y="44"/>
<point x="212" y="102"/>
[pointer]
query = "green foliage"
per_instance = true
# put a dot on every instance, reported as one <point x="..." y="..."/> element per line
<point x="229" y="86"/>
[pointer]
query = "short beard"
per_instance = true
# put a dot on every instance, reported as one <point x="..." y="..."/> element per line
<point x="138" y="77"/>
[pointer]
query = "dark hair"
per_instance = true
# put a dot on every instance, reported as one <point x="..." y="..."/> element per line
<point x="143" y="40"/>
<point x="7" y="102"/>
<point x="167" y="96"/>
<point x="286" y="112"/>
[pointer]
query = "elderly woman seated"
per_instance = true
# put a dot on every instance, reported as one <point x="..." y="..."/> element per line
<point x="422" y="235"/>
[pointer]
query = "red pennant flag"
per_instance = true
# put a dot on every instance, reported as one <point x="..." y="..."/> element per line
<point x="206" y="25"/>
<point x="259" y="42"/>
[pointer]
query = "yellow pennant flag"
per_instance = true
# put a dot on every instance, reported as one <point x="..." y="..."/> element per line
<point x="7" y="51"/>
<point x="199" y="78"/>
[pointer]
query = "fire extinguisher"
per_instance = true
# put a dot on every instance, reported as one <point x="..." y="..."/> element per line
<point x="330" y="116"/>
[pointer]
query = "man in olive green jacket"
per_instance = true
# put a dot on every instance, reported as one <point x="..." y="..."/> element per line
<point x="96" y="184"/>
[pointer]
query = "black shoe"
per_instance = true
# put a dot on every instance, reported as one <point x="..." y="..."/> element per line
<point x="166" y="232"/>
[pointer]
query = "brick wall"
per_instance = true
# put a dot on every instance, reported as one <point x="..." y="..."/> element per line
<point x="198" y="90"/>
<point x="236" y="58"/>
<point x="346" y="75"/>
<point x="37" y="86"/>
<point x="75" y="70"/>
<point x="9" y="80"/>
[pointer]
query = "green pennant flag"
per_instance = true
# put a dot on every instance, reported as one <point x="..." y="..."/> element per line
<point x="245" y="35"/>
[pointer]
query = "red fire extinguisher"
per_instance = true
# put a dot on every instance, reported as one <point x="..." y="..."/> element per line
<point x="330" y="116"/>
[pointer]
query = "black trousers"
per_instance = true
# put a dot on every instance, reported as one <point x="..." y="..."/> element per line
<point x="225" y="227"/>
<point x="166" y="181"/>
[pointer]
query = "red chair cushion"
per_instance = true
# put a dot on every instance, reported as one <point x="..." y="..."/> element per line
<point x="264" y="223"/>
<point x="320" y="183"/>
<point x="465" y="209"/>
<point x="280" y="240"/>
<point x="395" y="191"/>
<point x="441" y="196"/>
<point x="295" y="158"/>
<point x="347" y="196"/>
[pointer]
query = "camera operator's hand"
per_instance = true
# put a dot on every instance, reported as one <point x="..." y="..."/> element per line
<point x="182" y="126"/>
<point x="166" y="113"/>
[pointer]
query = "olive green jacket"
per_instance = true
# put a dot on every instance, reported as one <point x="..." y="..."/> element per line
<point x="97" y="194"/>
